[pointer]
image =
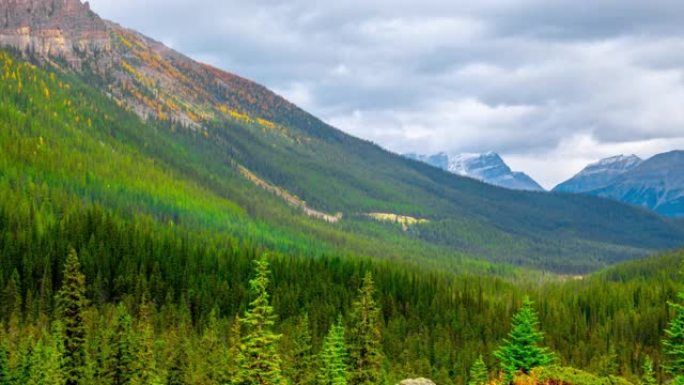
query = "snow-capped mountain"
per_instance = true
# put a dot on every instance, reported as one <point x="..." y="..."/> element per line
<point x="656" y="183"/>
<point x="600" y="174"/>
<point x="487" y="167"/>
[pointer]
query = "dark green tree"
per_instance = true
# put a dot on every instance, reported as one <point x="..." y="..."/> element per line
<point x="365" y="337"/>
<point x="261" y="363"/>
<point x="521" y="350"/>
<point x="333" y="369"/>
<point x="121" y="363"/>
<point x="673" y="344"/>
<point x="478" y="372"/>
<point x="5" y="374"/>
<point x="146" y="371"/>
<point x="72" y="302"/>
<point x="301" y="366"/>
<point x="235" y="357"/>
<point x="648" y="375"/>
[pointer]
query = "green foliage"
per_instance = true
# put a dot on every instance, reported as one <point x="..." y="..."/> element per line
<point x="261" y="361"/>
<point x="121" y="364"/>
<point x="648" y="375"/>
<point x="521" y="350"/>
<point x="333" y="368"/>
<point x="673" y="344"/>
<point x="300" y="367"/>
<point x="570" y="376"/>
<point x="478" y="375"/>
<point x="72" y="303"/>
<point x="365" y="340"/>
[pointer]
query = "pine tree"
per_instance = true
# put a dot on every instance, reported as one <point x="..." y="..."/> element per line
<point x="5" y="374"/>
<point x="478" y="372"/>
<point x="72" y="301"/>
<point x="673" y="344"/>
<point x="214" y="362"/>
<point x="648" y="377"/>
<point x="301" y="366"/>
<point x="333" y="368"/>
<point x="46" y="365"/>
<point x="120" y="367"/>
<point x="365" y="337"/>
<point x="146" y="371"/>
<point x="235" y="357"/>
<point x="521" y="350"/>
<point x="261" y="362"/>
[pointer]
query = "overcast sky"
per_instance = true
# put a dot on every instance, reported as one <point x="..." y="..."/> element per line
<point x="550" y="85"/>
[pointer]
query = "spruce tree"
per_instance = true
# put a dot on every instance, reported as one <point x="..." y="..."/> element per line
<point x="5" y="374"/>
<point x="72" y="301"/>
<point x="521" y="350"/>
<point x="301" y="366"/>
<point x="673" y="344"/>
<point x="333" y="368"/>
<point x="121" y="365"/>
<point x="235" y="357"/>
<point x="648" y="377"/>
<point x="478" y="372"/>
<point x="365" y="337"/>
<point x="261" y="363"/>
<point x="146" y="371"/>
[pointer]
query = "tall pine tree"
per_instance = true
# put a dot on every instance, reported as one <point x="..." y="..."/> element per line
<point x="365" y="337"/>
<point x="333" y="368"/>
<point x="261" y="363"/>
<point x="121" y="364"/>
<point x="521" y="350"/>
<point x="72" y="301"/>
<point x="478" y="372"/>
<point x="673" y="344"/>
<point x="301" y="366"/>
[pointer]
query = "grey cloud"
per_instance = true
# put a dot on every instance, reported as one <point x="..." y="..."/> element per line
<point x="531" y="79"/>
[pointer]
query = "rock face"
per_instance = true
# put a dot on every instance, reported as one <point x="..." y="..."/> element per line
<point x="487" y="167"/>
<point x="60" y="28"/>
<point x="138" y="72"/>
<point x="600" y="174"/>
<point x="417" y="381"/>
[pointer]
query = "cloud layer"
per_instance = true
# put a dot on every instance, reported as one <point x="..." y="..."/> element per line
<point x="549" y="85"/>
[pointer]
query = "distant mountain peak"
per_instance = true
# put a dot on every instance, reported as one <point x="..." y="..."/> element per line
<point x="599" y="174"/>
<point x="487" y="167"/>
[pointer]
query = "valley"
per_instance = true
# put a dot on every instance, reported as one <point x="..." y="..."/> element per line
<point x="165" y="222"/>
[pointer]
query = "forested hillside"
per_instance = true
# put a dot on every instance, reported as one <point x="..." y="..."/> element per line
<point x="224" y="140"/>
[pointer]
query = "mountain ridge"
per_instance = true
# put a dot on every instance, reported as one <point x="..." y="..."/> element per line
<point x="203" y="124"/>
<point x="487" y="167"/>
<point x="656" y="183"/>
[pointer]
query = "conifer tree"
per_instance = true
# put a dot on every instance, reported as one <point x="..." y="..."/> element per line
<point x="478" y="372"/>
<point x="261" y="363"/>
<point x="120" y="368"/>
<point x="5" y="374"/>
<point x="673" y="344"/>
<point x="72" y="301"/>
<point x="648" y="377"/>
<point x="235" y="357"/>
<point x="146" y="371"/>
<point x="214" y="358"/>
<point x="301" y="358"/>
<point x="46" y="364"/>
<point x="521" y="350"/>
<point x="333" y="368"/>
<point x="365" y="337"/>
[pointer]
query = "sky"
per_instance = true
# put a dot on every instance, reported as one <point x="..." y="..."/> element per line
<point x="550" y="85"/>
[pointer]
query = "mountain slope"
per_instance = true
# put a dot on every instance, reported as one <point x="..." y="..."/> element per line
<point x="487" y="167"/>
<point x="600" y="174"/>
<point x="657" y="184"/>
<point x="204" y="128"/>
